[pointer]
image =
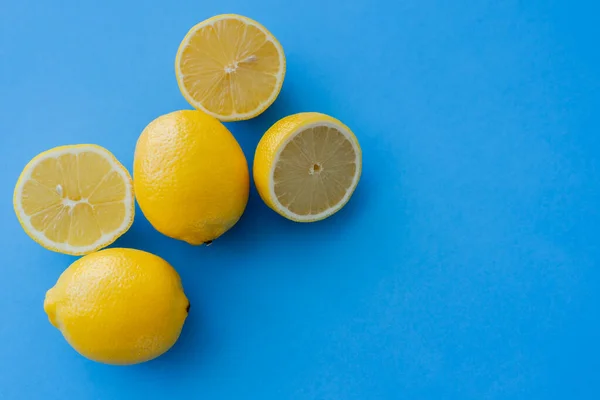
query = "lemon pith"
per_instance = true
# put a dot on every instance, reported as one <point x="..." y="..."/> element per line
<point x="230" y="67"/>
<point x="307" y="166"/>
<point x="118" y="306"/>
<point x="191" y="176"/>
<point x="74" y="199"/>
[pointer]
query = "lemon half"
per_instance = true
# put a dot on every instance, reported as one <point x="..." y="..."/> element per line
<point x="74" y="199"/>
<point x="230" y="67"/>
<point x="307" y="166"/>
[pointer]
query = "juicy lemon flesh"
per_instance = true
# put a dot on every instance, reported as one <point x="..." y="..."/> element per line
<point x="74" y="200"/>
<point x="314" y="171"/>
<point x="230" y="68"/>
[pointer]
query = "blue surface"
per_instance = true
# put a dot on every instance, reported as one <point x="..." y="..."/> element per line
<point x="466" y="266"/>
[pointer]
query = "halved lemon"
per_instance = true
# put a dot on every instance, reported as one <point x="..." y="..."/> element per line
<point x="230" y="67"/>
<point x="307" y="166"/>
<point x="74" y="199"/>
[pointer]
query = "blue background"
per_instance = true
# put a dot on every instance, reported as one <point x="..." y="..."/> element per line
<point x="464" y="267"/>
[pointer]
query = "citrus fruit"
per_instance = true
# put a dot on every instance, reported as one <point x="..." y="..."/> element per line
<point x="74" y="199"/>
<point x="118" y="306"/>
<point x="230" y="67"/>
<point x="190" y="176"/>
<point x="307" y="166"/>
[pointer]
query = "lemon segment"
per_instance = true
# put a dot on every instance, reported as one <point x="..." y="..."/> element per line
<point x="74" y="199"/>
<point x="230" y="67"/>
<point x="307" y="166"/>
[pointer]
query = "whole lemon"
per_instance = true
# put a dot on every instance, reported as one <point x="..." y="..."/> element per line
<point x="118" y="306"/>
<point x="190" y="176"/>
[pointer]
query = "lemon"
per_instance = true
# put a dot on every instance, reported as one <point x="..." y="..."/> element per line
<point x="74" y="199"/>
<point x="191" y="177"/>
<point x="307" y="166"/>
<point x="118" y="306"/>
<point x="230" y="67"/>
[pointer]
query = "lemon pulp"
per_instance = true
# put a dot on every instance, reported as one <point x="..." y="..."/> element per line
<point x="74" y="199"/>
<point x="230" y="67"/>
<point x="307" y="166"/>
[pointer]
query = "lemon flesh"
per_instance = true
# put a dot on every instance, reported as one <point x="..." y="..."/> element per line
<point x="74" y="199"/>
<point x="118" y="306"/>
<point x="230" y="67"/>
<point x="307" y="166"/>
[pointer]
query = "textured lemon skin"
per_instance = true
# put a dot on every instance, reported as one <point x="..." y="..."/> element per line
<point x="196" y="104"/>
<point x="190" y="176"/>
<point x="272" y="143"/>
<point x="48" y="245"/>
<point x="118" y="306"/>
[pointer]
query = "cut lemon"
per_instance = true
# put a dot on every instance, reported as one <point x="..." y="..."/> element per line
<point x="74" y="199"/>
<point x="230" y="67"/>
<point x="307" y="166"/>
